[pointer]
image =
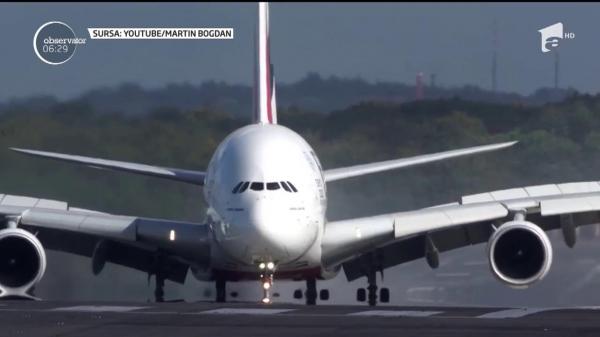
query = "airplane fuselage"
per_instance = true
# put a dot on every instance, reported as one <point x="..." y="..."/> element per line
<point x="267" y="200"/>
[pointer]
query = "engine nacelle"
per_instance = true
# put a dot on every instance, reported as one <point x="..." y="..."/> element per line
<point x="519" y="253"/>
<point x="22" y="262"/>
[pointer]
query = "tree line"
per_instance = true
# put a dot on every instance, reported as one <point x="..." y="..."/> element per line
<point x="558" y="142"/>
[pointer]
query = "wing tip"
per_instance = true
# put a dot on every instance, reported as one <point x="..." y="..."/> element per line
<point x="16" y="149"/>
<point x="25" y="151"/>
<point x="505" y="144"/>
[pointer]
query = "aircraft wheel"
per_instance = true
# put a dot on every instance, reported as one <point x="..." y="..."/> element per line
<point x="361" y="294"/>
<point x="384" y="295"/>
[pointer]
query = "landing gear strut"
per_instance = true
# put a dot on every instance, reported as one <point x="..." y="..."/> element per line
<point x="311" y="291"/>
<point x="220" y="284"/>
<point x="267" y="283"/>
<point x="266" y="280"/>
<point x="372" y="288"/>
<point x="159" y="288"/>
<point x="160" y="271"/>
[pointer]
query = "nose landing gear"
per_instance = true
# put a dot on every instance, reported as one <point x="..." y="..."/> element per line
<point x="266" y="280"/>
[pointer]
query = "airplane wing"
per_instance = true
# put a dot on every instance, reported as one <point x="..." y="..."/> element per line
<point x="401" y="237"/>
<point x="134" y="242"/>
<point x="359" y="170"/>
<point x="188" y="176"/>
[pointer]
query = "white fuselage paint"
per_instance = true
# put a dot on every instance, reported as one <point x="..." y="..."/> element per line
<point x="268" y="225"/>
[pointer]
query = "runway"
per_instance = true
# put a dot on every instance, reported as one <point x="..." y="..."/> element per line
<point x="84" y="319"/>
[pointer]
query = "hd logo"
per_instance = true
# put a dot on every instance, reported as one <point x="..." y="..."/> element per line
<point x="552" y="34"/>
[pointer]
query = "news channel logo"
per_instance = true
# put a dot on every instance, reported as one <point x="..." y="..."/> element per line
<point x="55" y="42"/>
<point x="551" y="36"/>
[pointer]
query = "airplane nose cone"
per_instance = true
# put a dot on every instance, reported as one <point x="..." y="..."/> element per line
<point x="278" y="232"/>
<point x="265" y="220"/>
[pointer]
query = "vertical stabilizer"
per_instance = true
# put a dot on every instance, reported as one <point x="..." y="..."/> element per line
<point x="265" y="109"/>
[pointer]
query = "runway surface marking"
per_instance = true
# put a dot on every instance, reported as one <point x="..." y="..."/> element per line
<point x="46" y="319"/>
<point x="396" y="313"/>
<point x="246" y="311"/>
<point x="98" y="308"/>
<point x="514" y="313"/>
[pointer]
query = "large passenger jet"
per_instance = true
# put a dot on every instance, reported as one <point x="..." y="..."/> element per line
<point x="267" y="198"/>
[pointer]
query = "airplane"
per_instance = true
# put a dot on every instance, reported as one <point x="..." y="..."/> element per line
<point x="266" y="193"/>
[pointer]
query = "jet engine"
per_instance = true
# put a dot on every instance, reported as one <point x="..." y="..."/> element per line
<point x="22" y="262"/>
<point x="519" y="253"/>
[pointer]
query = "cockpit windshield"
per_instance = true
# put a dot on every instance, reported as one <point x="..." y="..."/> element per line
<point x="258" y="186"/>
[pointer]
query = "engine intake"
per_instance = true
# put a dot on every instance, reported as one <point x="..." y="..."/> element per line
<point x="519" y="253"/>
<point x="22" y="262"/>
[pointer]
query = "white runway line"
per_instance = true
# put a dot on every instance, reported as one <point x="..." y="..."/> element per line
<point x="98" y="308"/>
<point x="245" y="311"/>
<point x="396" y="313"/>
<point x="514" y="313"/>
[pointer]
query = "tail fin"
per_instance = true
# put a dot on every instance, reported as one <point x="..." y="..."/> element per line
<point x="265" y="107"/>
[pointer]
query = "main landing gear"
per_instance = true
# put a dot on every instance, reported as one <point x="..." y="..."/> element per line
<point x="311" y="292"/>
<point x="361" y="293"/>
<point x="266" y="279"/>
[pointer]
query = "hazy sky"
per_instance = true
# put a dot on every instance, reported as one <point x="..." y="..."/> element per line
<point x="376" y="41"/>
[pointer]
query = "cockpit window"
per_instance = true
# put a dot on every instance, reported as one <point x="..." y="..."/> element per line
<point x="256" y="186"/>
<point x="260" y="186"/>
<point x="272" y="186"/>
<point x="285" y="186"/>
<point x="244" y="187"/>
<point x="292" y="187"/>
<point x="237" y="187"/>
